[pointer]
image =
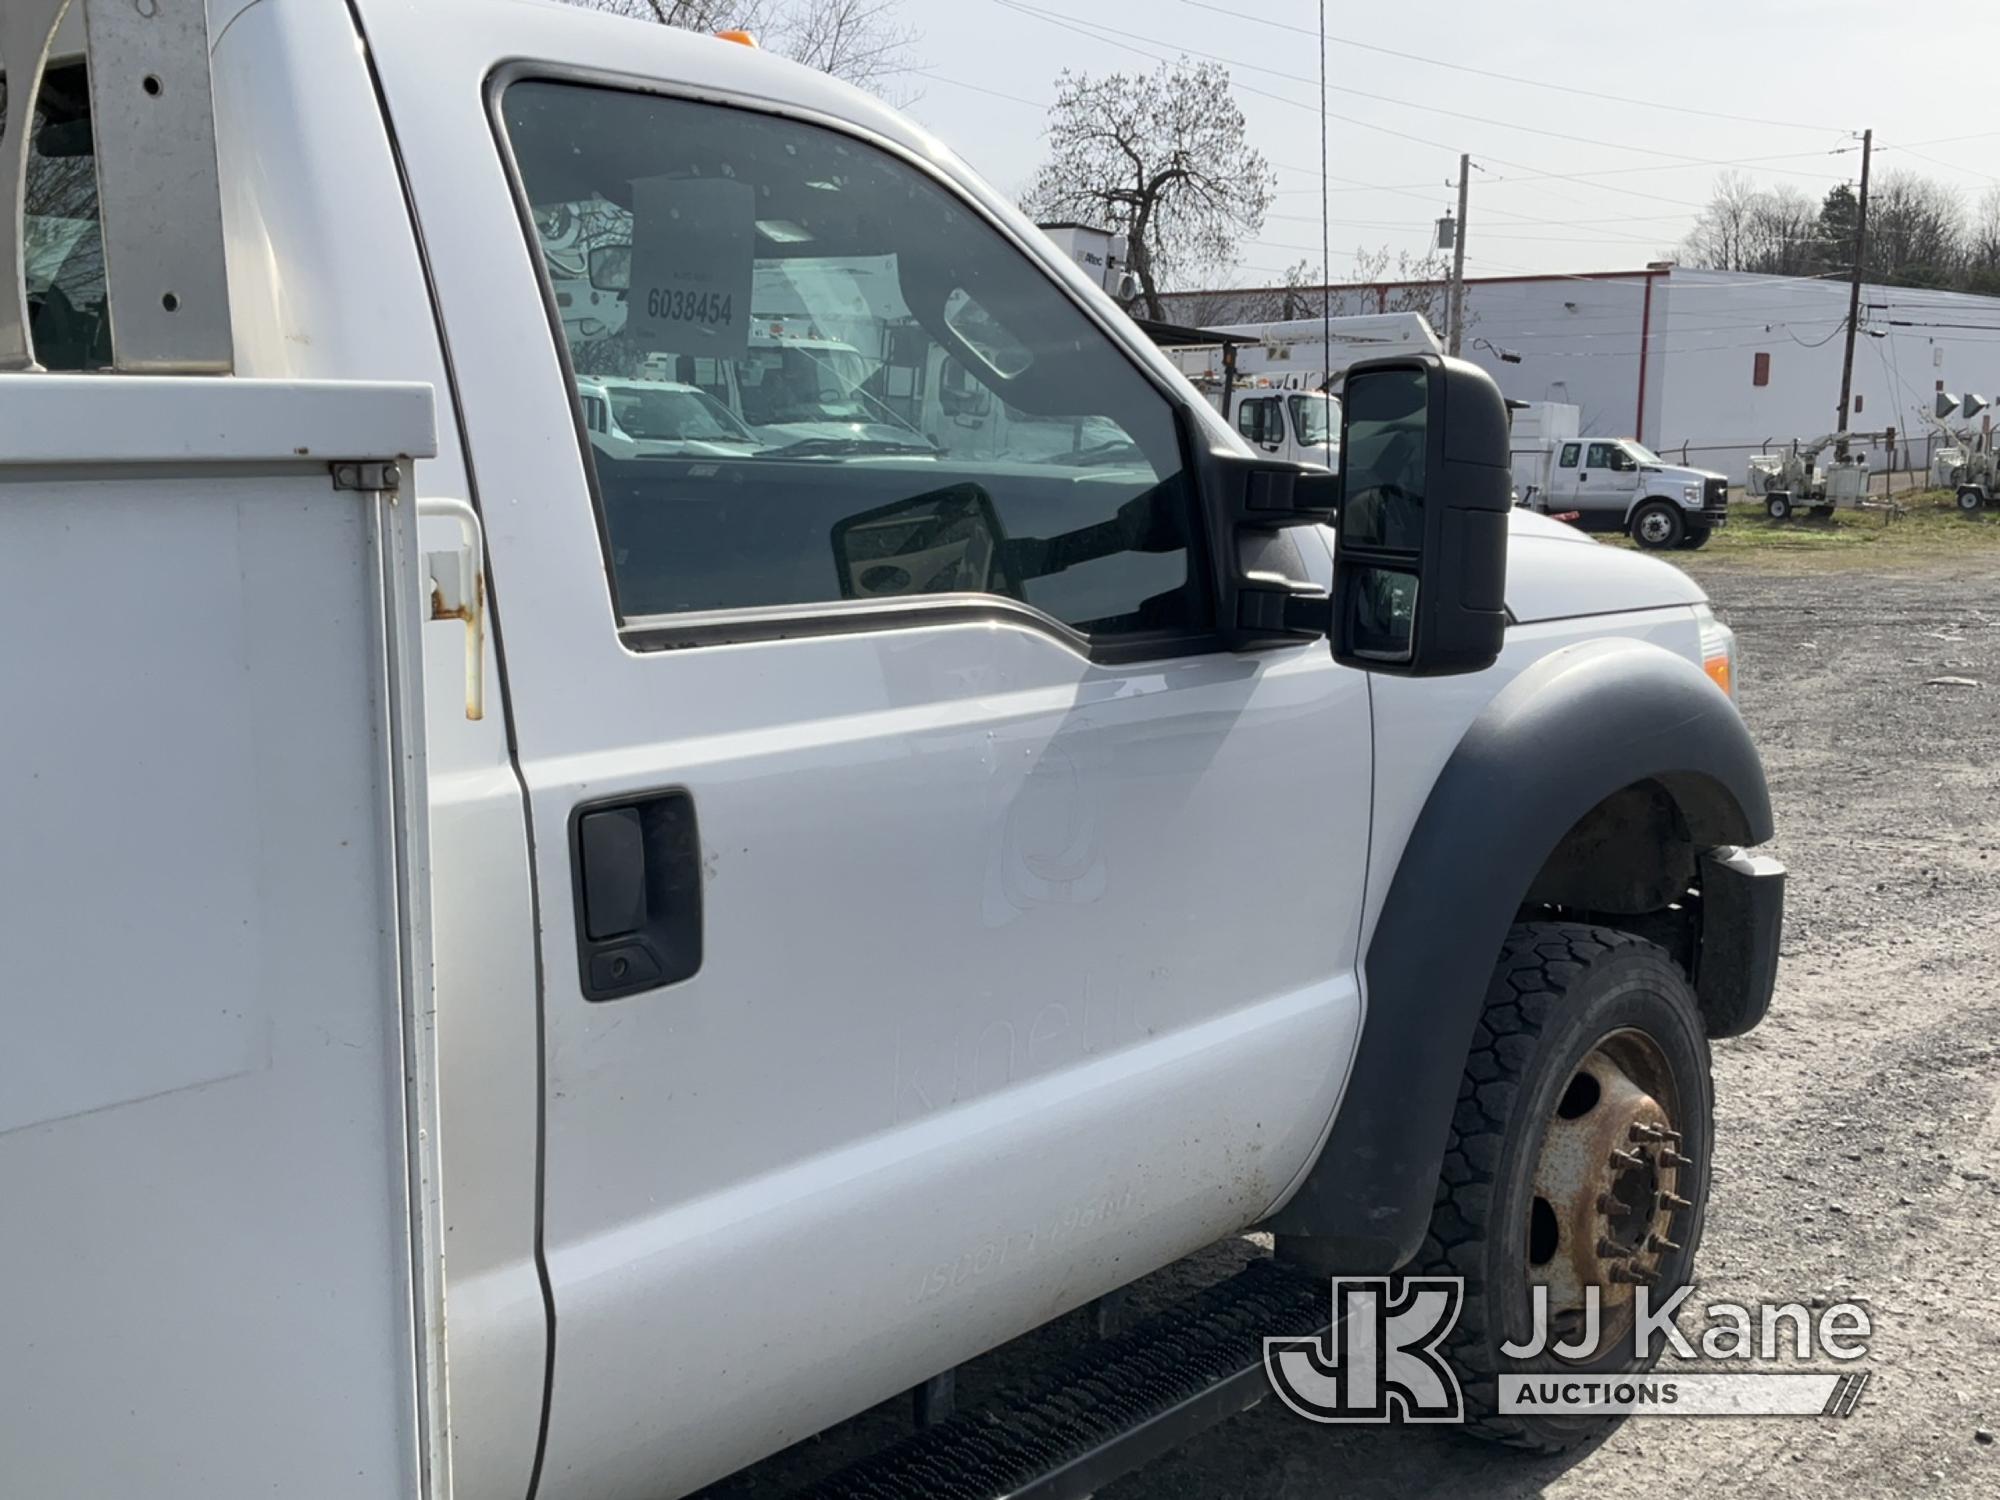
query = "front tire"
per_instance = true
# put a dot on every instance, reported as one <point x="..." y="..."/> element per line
<point x="1696" y="538"/>
<point x="1778" y="506"/>
<point x="1657" y="525"/>
<point x="1591" y="1043"/>
<point x="1971" y="501"/>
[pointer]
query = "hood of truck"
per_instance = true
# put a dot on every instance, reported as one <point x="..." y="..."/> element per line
<point x="1676" y="473"/>
<point x="1555" y="572"/>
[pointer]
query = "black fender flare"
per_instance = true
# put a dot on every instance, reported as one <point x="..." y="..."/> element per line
<point x="1581" y="723"/>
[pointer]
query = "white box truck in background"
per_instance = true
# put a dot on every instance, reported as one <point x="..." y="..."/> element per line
<point x="1535" y="433"/>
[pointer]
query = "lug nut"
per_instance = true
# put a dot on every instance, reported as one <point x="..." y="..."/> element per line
<point x="1626" y="1158"/>
<point x="1659" y="1243"/>
<point x="1612" y="1250"/>
<point x="1675" y="1200"/>
<point x="1610" y="1207"/>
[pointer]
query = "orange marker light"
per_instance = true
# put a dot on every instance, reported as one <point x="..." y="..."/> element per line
<point x="741" y="38"/>
<point x="1719" y="673"/>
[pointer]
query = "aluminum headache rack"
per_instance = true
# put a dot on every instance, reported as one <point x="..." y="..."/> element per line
<point x="159" y="198"/>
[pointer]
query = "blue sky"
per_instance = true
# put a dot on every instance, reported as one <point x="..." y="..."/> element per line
<point x="1570" y="182"/>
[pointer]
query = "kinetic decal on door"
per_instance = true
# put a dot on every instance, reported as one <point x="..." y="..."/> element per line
<point x="1048" y="852"/>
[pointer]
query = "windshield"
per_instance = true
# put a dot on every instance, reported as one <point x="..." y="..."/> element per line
<point x="1315" y="418"/>
<point x="1640" y="452"/>
<point x="673" y="416"/>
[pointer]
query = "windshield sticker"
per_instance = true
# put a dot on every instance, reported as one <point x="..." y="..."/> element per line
<point x="693" y="240"/>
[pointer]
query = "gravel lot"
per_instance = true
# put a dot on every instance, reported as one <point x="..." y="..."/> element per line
<point x="1859" y="1127"/>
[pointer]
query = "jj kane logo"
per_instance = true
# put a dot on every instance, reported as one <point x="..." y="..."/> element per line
<point x="1379" y="1360"/>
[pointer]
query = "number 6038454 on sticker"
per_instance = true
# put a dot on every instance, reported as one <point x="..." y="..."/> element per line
<point x="712" y="308"/>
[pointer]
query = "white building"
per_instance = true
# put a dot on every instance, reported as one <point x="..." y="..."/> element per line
<point x="1713" y="365"/>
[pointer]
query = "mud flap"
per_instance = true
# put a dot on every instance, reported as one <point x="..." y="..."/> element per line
<point x="1742" y="918"/>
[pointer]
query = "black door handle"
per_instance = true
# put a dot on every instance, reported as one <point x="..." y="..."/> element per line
<point x="636" y="866"/>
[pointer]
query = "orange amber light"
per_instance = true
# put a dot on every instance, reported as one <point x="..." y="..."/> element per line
<point x="1717" y="668"/>
<point x="741" y="38"/>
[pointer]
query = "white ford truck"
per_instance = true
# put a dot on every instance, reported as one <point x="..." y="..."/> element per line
<point x="1616" y="484"/>
<point x="539" y="967"/>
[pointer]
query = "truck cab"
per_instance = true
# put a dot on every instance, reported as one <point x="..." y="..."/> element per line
<point x="765" y="922"/>
<point x="1301" y="426"/>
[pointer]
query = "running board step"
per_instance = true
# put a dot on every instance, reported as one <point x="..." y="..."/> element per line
<point x="1111" y="1408"/>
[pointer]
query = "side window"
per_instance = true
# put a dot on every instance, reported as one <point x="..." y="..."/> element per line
<point x="834" y="381"/>
<point x="593" y="414"/>
<point x="64" y="250"/>
<point x="1568" y="459"/>
<point x="1599" y="457"/>
<point x="1257" y="420"/>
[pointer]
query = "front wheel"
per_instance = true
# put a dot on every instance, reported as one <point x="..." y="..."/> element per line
<point x="1657" y="525"/>
<point x="1777" y="507"/>
<point x="1578" y="1159"/>
<point x="1970" y="500"/>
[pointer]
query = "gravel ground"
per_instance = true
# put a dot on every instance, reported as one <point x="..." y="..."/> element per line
<point x="1858" y="1128"/>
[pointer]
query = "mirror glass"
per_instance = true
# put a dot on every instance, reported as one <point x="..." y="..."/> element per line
<point x="1384" y="605"/>
<point x="1384" y="460"/>
<point x="611" y="268"/>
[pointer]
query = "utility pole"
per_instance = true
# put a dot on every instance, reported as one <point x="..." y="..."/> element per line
<point x="1854" y="294"/>
<point x="1455" y="317"/>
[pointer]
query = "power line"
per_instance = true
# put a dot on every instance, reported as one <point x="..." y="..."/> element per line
<point x="980" y="88"/>
<point x="1538" y="83"/>
<point x="1112" y="31"/>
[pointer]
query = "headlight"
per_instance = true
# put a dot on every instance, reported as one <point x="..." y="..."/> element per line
<point x="1718" y="650"/>
<point x="1691" y="496"/>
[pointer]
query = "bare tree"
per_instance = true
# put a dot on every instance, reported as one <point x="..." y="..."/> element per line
<point x="1983" y="240"/>
<point x="861" y="41"/>
<point x="690" y="15"/>
<point x="1720" y="239"/>
<point x="1916" y="230"/>
<point x="1408" y="283"/>
<point x="1782" y="234"/>
<point x="1162" y="158"/>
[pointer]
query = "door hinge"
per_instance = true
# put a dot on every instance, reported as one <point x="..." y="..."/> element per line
<point x="385" y="477"/>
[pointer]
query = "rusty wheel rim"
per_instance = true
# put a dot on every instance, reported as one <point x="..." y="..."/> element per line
<point x="1606" y="1186"/>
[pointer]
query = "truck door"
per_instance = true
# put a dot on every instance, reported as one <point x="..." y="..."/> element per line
<point x="1604" y="490"/>
<point x="937" y="928"/>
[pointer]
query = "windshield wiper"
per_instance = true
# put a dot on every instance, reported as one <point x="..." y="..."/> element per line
<point x="1118" y="451"/>
<point x="816" y="446"/>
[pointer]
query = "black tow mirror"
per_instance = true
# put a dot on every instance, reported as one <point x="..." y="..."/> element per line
<point x="1263" y="597"/>
<point x="1420" y="569"/>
